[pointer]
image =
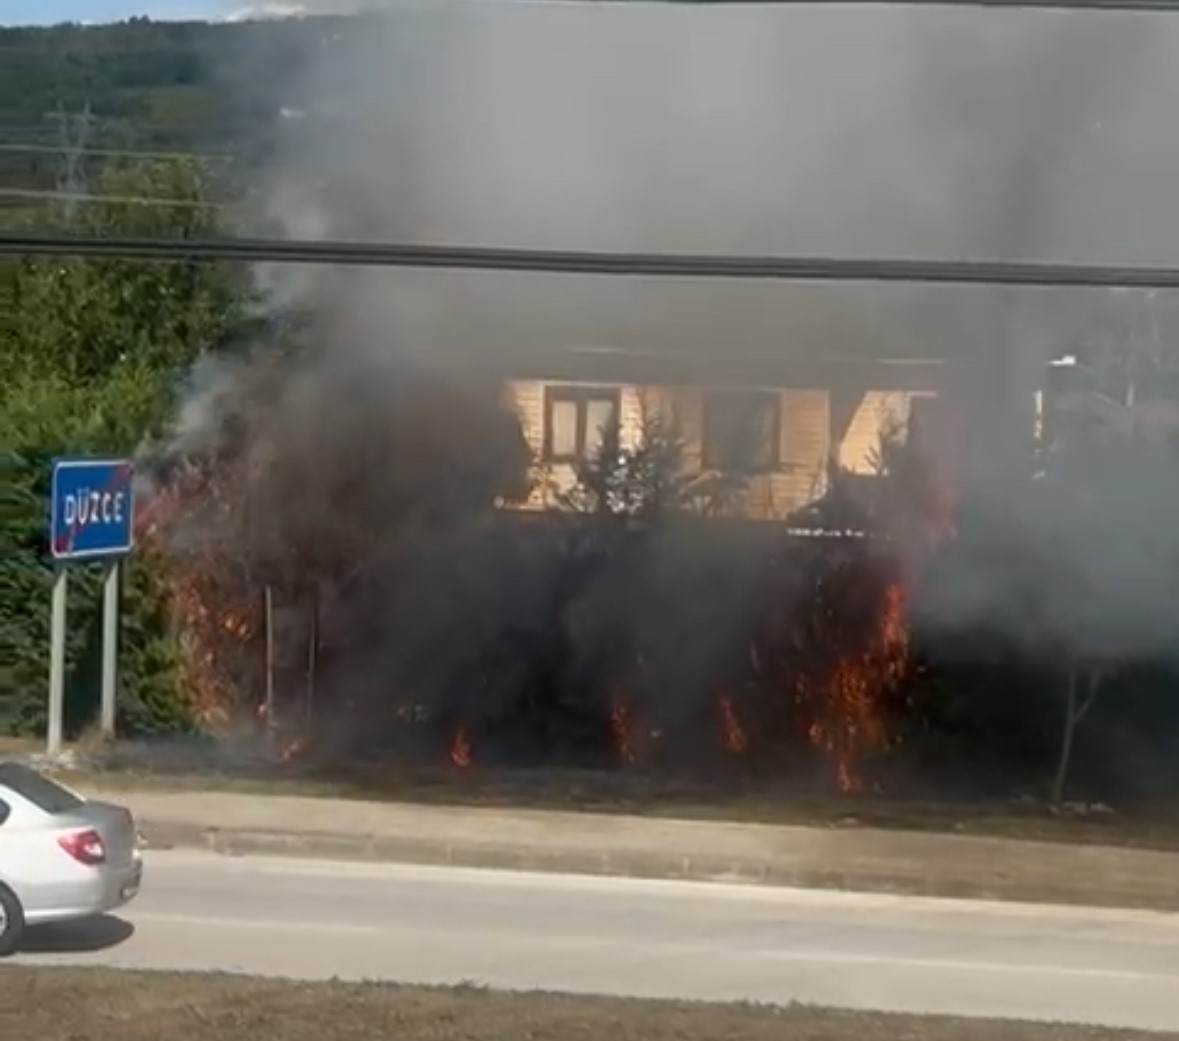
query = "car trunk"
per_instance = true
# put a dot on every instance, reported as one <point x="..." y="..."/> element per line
<point x="114" y="824"/>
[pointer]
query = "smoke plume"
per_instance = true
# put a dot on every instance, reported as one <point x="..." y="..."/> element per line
<point x="706" y="128"/>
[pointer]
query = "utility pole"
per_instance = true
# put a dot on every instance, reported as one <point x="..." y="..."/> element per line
<point x="74" y="132"/>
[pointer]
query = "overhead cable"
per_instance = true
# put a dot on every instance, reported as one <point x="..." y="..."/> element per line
<point x="657" y="265"/>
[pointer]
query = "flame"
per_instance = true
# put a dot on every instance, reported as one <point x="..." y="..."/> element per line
<point x="234" y="624"/>
<point x="851" y="722"/>
<point x="623" y="728"/>
<point x="213" y="612"/>
<point x="292" y="749"/>
<point x="736" y="740"/>
<point x="460" y="749"/>
<point x="840" y="701"/>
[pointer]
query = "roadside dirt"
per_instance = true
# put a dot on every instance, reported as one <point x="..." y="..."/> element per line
<point x="168" y="766"/>
<point x="106" y="1005"/>
<point x="659" y="798"/>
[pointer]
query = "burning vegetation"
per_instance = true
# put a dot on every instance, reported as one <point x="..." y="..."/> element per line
<point x="325" y="607"/>
<point x="460" y="749"/>
<point x="847" y="698"/>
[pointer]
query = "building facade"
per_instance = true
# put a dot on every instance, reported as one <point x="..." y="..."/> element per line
<point x="779" y="439"/>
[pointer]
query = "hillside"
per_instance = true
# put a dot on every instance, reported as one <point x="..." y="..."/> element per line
<point x="214" y="88"/>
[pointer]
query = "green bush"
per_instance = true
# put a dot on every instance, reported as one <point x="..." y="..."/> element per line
<point x="91" y="352"/>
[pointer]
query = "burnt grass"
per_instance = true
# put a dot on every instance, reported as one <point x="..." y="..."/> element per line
<point x="250" y="768"/>
<point x="67" y="1004"/>
<point x="735" y="797"/>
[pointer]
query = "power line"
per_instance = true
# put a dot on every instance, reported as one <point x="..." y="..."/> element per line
<point x="73" y="198"/>
<point x="800" y="269"/>
<point x="1051" y="5"/>
<point x="119" y="126"/>
<point x="1076" y="5"/>
<point x="115" y="153"/>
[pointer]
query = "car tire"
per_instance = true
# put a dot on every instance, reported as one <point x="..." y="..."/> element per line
<point x="12" y="922"/>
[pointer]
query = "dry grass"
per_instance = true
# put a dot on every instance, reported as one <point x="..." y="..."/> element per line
<point x="208" y="767"/>
<point x="106" y="1005"/>
<point x="662" y="797"/>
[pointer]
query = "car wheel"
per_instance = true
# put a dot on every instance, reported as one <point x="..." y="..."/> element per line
<point x="12" y="922"/>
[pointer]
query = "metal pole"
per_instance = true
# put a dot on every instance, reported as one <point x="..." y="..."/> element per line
<point x="312" y="653"/>
<point x="57" y="634"/>
<point x="268" y="607"/>
<point x="110" y="648"/>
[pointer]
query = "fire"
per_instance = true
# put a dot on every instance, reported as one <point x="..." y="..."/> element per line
<point x="236" y="625"/>
<point x="846" y="779"/>
<point x="849" y="700"/>
<point x="215" y="615"/>
<point x="840" y="664"/>
<point x="293" y="749"/>
<point x="460" y="749"/>
<point x="623" y="728"/>
<point x="736" y="740"/>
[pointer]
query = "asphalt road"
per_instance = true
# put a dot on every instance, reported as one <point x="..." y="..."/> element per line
<point x="313" y="919"/>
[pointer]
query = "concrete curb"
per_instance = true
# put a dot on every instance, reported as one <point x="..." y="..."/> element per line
<point x="886" y="862"/>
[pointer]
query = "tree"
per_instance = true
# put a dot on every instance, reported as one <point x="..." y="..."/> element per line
<point x="648" y="480"/>
<point x="1103" y="563"/>
<point x="91" y="353"/>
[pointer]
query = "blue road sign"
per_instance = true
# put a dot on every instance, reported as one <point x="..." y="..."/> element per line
<point x="92" y="509"/>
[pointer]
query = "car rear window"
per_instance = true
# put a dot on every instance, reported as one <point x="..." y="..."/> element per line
<point x="43" y="793"/>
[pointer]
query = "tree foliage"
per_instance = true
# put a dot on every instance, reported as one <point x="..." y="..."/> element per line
<point x="649" y="479"/>
<point x="91" y="352"/>
<point x="191" y="87"/>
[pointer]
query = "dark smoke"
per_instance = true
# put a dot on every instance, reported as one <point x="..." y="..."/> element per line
<point x="704" y="128"/>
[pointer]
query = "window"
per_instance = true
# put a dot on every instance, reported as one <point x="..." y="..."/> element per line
<point x="576" y="419"/>
<point x="46" y="795"/>
<point x="741" y="431"/>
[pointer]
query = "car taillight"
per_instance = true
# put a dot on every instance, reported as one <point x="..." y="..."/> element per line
<point x="85" y="847"/>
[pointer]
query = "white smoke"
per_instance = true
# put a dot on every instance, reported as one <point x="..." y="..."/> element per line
<point x="963" y="133"/>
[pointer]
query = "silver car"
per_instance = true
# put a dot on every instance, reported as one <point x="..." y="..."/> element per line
<point x="62" y="857"/>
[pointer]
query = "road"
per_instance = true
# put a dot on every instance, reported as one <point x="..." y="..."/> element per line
<point x="313" y="919"/>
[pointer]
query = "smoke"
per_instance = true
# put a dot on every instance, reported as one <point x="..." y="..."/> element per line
<point x="704" y="128"/>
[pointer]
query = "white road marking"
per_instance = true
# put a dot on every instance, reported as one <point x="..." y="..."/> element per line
<point x="252" y="924"/>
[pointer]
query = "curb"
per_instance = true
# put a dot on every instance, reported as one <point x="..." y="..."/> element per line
<point x="932" y="879"/>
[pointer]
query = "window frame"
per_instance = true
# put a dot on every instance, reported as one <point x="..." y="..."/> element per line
<point x="770" y="399"/>
<point x="41" y="792"/>
<point x="579" y="395"/>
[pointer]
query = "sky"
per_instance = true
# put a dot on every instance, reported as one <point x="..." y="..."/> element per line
<point x="47" y="12"/>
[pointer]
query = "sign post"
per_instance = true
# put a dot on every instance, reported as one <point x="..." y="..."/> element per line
<point x="57" y="624"/>
<point x="110" y="647"/>
<point x="92" y="511"/>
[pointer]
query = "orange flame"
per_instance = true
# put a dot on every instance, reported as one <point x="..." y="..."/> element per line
<point x="234" y="624"/>
<point x="852" y="723"/>
<point x="292" y="749"/>
<point x="460" y="749"/>
<point x="736" y="740"/>
<point x="213" y="614"/>
<point x="624" y="741"/>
